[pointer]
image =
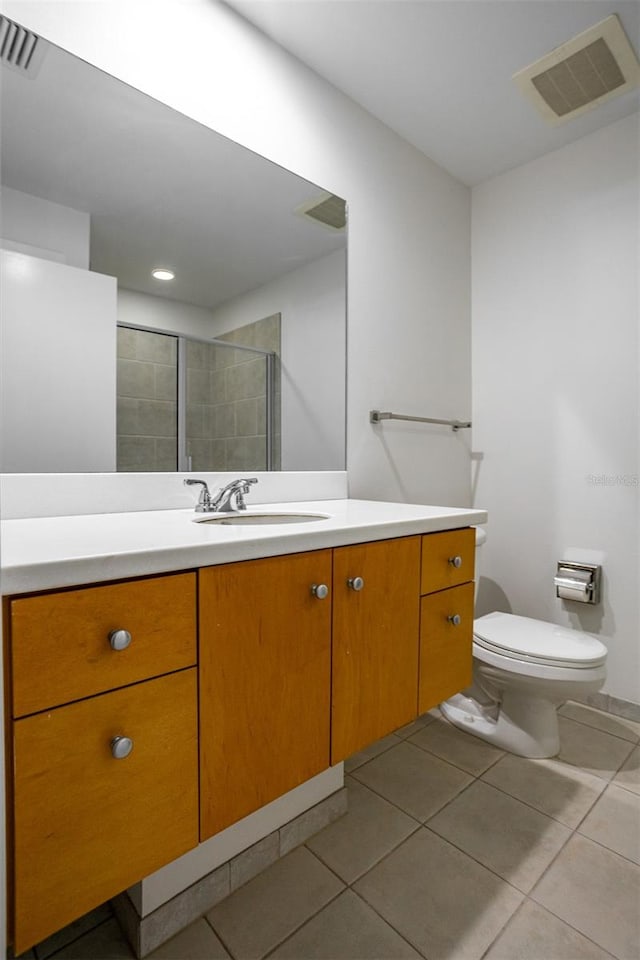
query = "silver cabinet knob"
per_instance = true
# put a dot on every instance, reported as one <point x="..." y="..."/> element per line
<point x="121" y="747"/>
<point x="320" y="590"/>
<point x="355" y="583"/>
<point x="455" y="619"/>
<point x="455" y="562"/>
<point x="119" y="639"/>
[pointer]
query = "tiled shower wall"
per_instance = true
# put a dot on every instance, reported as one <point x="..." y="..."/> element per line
<point x="226" y="400"/>
<point x="147" y="401"/>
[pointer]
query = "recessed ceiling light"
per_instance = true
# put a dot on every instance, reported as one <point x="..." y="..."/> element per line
<point x="161" y="273"/>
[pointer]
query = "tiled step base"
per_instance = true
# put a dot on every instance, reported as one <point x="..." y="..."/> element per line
<point x="147" y="933"/>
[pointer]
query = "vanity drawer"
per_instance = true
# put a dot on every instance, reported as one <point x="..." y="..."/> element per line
<point x="445" y="645"/>
<point x="60" y="644"/>
<point x="447" y="559"/>
<point x="88" y="825"/>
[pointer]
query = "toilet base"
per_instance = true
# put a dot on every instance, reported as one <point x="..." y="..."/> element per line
<point x="522" y="724"/>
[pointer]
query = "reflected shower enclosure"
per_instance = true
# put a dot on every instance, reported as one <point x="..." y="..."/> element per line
<point x="184" y="403"/>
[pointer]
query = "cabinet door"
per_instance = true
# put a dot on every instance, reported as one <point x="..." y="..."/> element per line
<point x="445" y="645"/>
<point x="375" y="642"/>
<point x="88" y="825"/>
<point x="265" y="647"/>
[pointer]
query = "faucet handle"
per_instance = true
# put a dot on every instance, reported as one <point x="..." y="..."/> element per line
<point x="204" y="500"/>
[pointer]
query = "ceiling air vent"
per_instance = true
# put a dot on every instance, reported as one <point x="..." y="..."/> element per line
<point x="20" y="49"/>
<point x="582" y="73"/>
<point x="329" y="210"/>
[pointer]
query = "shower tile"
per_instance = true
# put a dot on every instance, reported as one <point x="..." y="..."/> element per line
<point x="155" y="347"/>
<point x="198" y="386"/>
<point x="127" y="417"/>
<point x="247" y="418"/>
<point x="166" y="382"/>
<point x="135" y="379"/>
<point x="158" y="418"/>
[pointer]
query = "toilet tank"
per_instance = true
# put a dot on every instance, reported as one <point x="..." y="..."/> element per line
<point x="481" y="536"/>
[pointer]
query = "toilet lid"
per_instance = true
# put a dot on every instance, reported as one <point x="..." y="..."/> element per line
<point x="537" y="641"/>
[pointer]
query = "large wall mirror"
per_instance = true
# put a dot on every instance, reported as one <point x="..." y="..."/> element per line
<point x="235" y="362"/>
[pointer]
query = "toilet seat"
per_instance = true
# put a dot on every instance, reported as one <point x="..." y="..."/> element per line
<point x="535" y="641"/>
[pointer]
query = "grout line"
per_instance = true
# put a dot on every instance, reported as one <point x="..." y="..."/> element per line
<point x="610" y="733"/>
<point x="301" y="925"/>
<point x="389" y="924"/>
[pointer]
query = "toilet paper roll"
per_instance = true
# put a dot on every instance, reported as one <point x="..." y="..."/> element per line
<point x="574" y="585"/>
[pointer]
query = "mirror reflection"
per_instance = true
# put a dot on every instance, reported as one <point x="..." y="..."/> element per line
<point x="170" y="299"/>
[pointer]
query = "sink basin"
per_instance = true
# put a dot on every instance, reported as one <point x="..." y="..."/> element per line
<point x="257" y="519"/>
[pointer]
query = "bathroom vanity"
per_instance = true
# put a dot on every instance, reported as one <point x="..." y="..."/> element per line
<point x="167" y="678"/>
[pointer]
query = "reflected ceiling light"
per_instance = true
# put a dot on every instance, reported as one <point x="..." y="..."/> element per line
<point x="161" y="273"/>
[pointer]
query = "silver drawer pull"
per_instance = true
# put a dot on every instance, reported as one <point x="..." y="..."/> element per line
<point x="455" y="562"/>
<point x="121" y="747"/>
<point x="320" y="590"/>
<point x="355" y="583"/>
<point x="455" y="619"/>
<point x="119" y="639"/>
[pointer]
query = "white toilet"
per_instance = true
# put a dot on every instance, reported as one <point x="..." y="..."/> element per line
<point x="523" y="669"/>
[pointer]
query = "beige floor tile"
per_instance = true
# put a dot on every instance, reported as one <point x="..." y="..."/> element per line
<point x="598" y="893"/>
<point x="106" y="942"/>
<point x="448" y="906"/>
<point x="514" y="840"/>
<point x="263" y="913"/>
<point x="561" y="791"/>
<point x="195" y="942"/>
<point x="592" y="750"/>
<point x="373" y="750"/>
<point x="74" y="930"/>
<point x="629" y="774"/>
<point x="417" y="782"/>
<point x="369" y="830"/>
<point x="410" y="728"/>
<point x="344" y="930"/>
<point x="615" y="822"/>
<point x="535" y="934"/>
<point x="617" y="726"/>
<point x="457" y="747"/>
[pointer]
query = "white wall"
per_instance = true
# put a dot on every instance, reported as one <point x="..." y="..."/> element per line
<point x="311" y="301"/>
<point x="408" y="220"/>
<point x="44" y="229"/>
<point x="58" y="373"/>
<point x="145" y="310"/>
<point x="555" y="396"/>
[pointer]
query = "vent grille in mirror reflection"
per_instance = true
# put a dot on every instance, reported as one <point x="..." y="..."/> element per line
<point x="329" y="210"/>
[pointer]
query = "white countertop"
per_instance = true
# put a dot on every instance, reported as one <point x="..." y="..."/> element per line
<point x="50" y="552"/>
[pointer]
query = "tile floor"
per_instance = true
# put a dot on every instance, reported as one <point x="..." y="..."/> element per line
<point x="451" y="850"/>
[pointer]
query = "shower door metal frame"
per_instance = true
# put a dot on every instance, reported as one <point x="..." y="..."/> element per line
<point x="183" y="459"/>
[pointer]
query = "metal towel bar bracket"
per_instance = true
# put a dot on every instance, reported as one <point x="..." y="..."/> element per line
<point x="376" y="416"/>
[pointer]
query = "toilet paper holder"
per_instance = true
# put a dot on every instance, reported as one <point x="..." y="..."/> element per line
<point x="578" y="581"/>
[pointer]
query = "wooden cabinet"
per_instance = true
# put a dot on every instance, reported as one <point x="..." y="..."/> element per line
<point x="375" y="641"/>
<point x="446" y="615"/>
<point x="301" y="661"/>
<point x="85" y="823"/>
<point x="265" y="661"/>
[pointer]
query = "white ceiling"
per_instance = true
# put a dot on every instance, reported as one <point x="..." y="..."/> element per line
<point x="438" y="72"/>
<point x="162" y="190"/>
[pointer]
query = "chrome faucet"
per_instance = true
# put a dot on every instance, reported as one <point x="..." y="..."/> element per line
<point x="227" y="500"/>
